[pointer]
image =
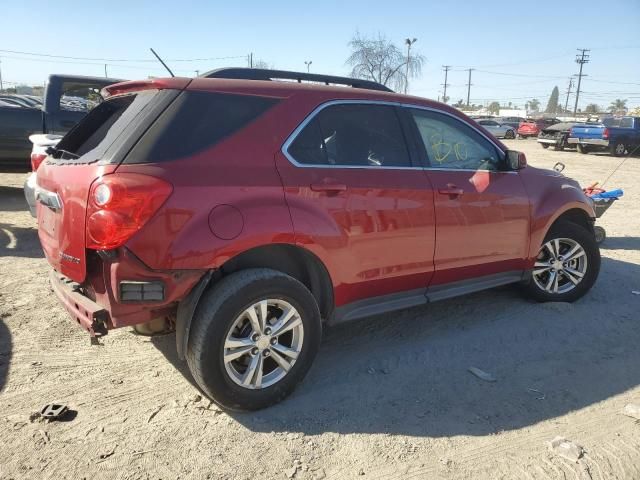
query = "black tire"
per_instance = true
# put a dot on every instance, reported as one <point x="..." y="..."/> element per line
<point x="582" y="148"/>
<point x="618" y="149"/>
<point x="218" y="308"/>
<point x="545" y="145"/>
<point x="510" y="134"/>
<point x="587" y="241"/>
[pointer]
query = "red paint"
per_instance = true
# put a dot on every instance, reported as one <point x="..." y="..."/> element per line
<point x="376" y="232"/>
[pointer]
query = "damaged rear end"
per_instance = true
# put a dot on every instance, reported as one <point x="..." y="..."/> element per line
<point x="87" y="211"/>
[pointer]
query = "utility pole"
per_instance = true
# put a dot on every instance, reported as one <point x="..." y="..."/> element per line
<point x="408" y="42"/>
<point x="469" y="85"/>
<point x="105" y="71"/>
<point x="250" y="60"/>
<point x="566" y="103"/>
<point x="308" y="64"/>
<point x="445" y="84"/>
<point x="197" y="73"/>
<point x="581" y="59"/>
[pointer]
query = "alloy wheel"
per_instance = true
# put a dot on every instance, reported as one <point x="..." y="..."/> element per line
<point x="263" y="344"/>
<point x="561" y="265"/>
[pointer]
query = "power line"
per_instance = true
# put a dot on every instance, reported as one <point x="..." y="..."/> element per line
<point x="446" y="69"/>
<point x="141" y="60"/>
<point x="581" y="59"/>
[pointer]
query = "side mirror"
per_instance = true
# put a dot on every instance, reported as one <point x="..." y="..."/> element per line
<point x="516" y="160"/>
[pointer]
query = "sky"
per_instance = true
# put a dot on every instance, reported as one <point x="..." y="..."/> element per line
<point x="519" y="49"/>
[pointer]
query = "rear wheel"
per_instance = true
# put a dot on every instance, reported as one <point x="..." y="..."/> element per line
<point x="567" y="265"/>
<point x="510" y="134"/>
<point x="582" y="148"/>
<point x="253" y="338"/>
<point x="618" y="149"/>
<point x="545" y="145"/>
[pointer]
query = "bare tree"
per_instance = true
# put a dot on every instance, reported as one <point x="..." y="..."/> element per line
<point x="262" y="64"/>
<point x="378" y="59"/>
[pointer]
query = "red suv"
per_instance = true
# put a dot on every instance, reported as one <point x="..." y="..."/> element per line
<point x="532" y="128"/>
<point x="250" y="212"/>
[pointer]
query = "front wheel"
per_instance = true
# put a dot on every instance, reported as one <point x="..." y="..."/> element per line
<point x="567" y="265"/>
<point x="253" y="338"/>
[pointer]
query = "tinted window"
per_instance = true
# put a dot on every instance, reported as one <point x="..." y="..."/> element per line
<point x="352" y="135"/>
<point x="626" y="122"/>
<point x="99" y="129"/>
<point x="79" y="98"/>
<point x="450" y="143"/>
<point x="194" y="122"/>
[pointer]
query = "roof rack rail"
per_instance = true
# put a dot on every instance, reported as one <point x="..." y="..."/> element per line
<point x="266" y="74"/>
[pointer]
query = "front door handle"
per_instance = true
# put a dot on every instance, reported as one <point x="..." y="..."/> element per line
<point x="451" y="190"/>
<point x="329" y="187"/>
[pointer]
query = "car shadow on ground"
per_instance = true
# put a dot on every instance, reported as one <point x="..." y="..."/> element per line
<point x="19" y="242"/>
<point x="407" y="373"/>
<point x="12" y="199"/>
<point x="621" y="243"/>
<point x="5" y="352"/>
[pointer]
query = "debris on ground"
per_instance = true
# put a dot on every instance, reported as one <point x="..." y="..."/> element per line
<point x="44" y="435"/>
<point x="54" y="411"/>
<point x="154" y="413"/>
<point x="108" y="453"/>
<point x="292" y="471"/>
<point x="482" y="375"/>
<point x="566" y="449"/>
<point x="632" y="410"/>
<point x="539" y="394"/>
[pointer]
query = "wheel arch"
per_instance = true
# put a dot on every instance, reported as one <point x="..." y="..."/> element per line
<point x="293" y="260"/>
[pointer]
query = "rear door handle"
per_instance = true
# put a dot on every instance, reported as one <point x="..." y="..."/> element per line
<point x="451" y="190"/>
<point x="328" y="187"/>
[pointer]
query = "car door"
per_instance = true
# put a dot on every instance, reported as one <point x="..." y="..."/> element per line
<point x="481" y="207"/>
<point x="358" y="202"/>
<point x="490" y="126"/>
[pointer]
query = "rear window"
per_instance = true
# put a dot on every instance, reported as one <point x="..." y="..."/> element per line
<point x="194" y="122"/>
<point x="91" y="138"/>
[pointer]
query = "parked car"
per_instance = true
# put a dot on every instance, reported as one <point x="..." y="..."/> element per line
<point x="532" y="127"/>
<point x="511" y="121"/>
<point x="556" y="135"/>
<point x="498" y="130"/>
<point x="16" y="124"/>
<point x="618" y="135"/>
<point x="252" y="212"/>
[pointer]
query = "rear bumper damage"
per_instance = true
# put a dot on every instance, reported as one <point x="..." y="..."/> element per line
<point x="122" y="291"/>
<point x="87" y="313"/>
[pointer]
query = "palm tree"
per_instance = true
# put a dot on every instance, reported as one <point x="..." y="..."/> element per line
<point x="534" y="104"/>
<point x="618" y="105"/>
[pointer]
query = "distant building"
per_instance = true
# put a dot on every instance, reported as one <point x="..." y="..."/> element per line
<point x="513" y="112"/>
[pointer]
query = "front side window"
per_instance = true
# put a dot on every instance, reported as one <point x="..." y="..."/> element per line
<point x="451" y="144"/>
<point x="352" y="135"/>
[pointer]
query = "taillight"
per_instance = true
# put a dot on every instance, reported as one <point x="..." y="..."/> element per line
<point x="605" y="134"/>
<point x="36" y="160"/>
<point x="119" y="205"/>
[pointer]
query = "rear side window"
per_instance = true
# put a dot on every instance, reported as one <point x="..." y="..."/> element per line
<point x="194" y="122"/>
<point x="91" y="138"/>
<point x="352" y="135"/>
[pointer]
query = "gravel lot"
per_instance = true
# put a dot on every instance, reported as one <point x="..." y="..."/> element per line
<point x="388" y="398"/>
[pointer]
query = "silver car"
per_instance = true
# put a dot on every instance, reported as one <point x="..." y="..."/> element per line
<point x="498" y="130"/>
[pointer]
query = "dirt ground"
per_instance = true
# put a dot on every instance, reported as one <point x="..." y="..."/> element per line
<point x="388" y="397"/>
